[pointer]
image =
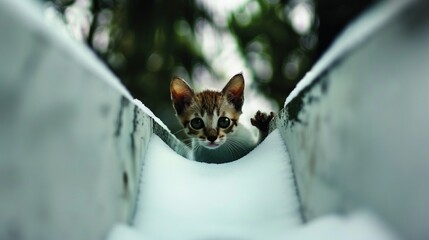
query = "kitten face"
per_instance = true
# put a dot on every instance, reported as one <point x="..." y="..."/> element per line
<point x="208" y="116"/>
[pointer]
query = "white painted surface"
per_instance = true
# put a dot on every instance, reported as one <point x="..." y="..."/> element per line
<point x="251" y="198"/>
<point x="355" y="34"/>
<point x="125" y="232"/>
<point x="70" y="135"/>
<point x="67" y="139"/>
<point x="360" y="225"/>
<point x="358" y="137"/>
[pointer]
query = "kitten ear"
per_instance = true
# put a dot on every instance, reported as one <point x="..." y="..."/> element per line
<point x="181" y="94"/>
<point x="234" y="91"/>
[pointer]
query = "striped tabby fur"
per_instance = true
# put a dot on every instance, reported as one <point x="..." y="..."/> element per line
<point x="210" y="118"/>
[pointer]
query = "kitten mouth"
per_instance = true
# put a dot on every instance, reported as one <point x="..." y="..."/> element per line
<point x="212" y="145"/>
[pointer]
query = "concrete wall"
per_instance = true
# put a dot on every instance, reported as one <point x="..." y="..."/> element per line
<point x="357" y="127"/>
<point x="71" y="141"/>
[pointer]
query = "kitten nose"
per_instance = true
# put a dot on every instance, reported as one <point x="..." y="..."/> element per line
<point x="211" y="138"/>
<point x="211" y="134"/>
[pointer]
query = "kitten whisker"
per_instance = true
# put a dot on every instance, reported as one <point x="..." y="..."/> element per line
<point x="211" y="114"/>
<point x="236" y="143"/>
<point x="179" y="131"/>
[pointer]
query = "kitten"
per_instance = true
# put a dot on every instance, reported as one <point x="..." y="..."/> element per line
<point x="210" y="118"/>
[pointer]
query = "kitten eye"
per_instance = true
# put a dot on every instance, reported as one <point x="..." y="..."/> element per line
<point x="197" y="123"/>
<point x="223" y="122"/>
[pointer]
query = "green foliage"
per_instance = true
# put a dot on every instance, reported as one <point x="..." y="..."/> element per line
<point x="151" y="40"/>
<point x="269" y="35"/>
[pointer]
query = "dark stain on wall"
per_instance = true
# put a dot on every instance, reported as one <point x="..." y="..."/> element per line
<point x="105" y="109"/>
<point x="305" y="97"/>
<point x="132" y="140"/>
<point x="124" y="103"/>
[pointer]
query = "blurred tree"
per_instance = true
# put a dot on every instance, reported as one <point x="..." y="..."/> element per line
<point x="281" y="39"/>
<point x="277" y="53"/>
<point x="146" y="42"/>
<point x="334" y="15"/>
<point x="151" y="41"/>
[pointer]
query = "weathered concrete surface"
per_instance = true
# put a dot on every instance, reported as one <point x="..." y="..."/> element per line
<point x="358" y="133"/>
<point x="71" y="141"/>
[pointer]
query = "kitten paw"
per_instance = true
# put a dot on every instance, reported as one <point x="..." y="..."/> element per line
<point x="262" y="121"/>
